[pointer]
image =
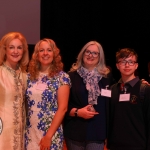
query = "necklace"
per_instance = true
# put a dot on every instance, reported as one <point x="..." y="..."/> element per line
<point x="15" y="73"/>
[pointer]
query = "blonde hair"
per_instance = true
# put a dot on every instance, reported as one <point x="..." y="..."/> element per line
<point x="56" y="65"/>
<point x="6" y="39"/>
<point x="101" y="67"/>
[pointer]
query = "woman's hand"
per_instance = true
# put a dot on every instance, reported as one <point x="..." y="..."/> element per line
<point x="144" y="81"/>
<point x="85" y="113"/>
<point x="45" y="143"/>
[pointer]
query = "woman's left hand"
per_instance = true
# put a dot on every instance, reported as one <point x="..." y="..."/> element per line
<point x="45" y="143"/>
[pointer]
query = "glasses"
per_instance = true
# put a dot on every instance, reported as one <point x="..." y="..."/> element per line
<point x="94" y="54"/>
<point x="124" y="62"/>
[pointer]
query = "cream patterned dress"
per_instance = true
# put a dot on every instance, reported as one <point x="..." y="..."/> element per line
<point x="42" y="103"/>
<point x="12" y="109"/>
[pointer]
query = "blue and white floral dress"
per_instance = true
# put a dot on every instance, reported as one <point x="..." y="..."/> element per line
<point x="42" y="105"/>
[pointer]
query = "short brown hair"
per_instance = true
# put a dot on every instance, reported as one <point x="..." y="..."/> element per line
<point x="125" y="53"/>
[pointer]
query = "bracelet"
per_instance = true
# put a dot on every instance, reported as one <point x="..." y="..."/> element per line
<point x="76" y="113"/>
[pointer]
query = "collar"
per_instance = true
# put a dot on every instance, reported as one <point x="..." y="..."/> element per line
<point x="131" y="82"/>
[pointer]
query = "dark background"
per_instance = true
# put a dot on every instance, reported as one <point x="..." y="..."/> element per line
<point x="71" y="24"/>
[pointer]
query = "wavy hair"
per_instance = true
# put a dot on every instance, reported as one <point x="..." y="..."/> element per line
<point x="6" y="39"/>
<point x="101" y="67"/>
<point x="56" y="65"/>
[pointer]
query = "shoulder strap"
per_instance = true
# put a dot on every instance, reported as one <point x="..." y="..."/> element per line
<point x="142" y="91"/>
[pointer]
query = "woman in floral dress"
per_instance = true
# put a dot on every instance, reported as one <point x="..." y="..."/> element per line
<point x="47" y="96"/>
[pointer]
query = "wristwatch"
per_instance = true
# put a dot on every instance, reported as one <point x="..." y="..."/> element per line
<point x="76" y="113"/>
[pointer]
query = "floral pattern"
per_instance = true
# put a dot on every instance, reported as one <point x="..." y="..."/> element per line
<point x="41" y="96"/>
<point x="91" y="79"/>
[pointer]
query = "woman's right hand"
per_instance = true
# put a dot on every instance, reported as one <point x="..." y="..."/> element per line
<point x="45" y="143"/>
<point x="85" y="113"/>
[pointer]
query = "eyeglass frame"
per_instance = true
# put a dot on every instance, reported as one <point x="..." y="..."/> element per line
<point x="97" y="53"/>
<point x="125" y="62"/>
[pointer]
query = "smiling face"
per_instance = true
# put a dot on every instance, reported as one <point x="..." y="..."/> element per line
<point x="127" y="67"/>
<point x="45" y="54"/>
<point x="89" y="61"/>
<point x="14" y="53"/>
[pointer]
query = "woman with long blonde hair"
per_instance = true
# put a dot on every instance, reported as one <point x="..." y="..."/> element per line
<point x="85" y="124"/>
<point x="13" y="62"/>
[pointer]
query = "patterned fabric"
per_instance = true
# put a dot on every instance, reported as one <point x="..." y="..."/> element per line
<point x="12" y="108"/>
<point x="42" y="103"/>
<point x="91" y="79"/>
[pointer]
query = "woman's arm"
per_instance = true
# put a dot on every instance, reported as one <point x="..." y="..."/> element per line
<point x="84" y="112"/>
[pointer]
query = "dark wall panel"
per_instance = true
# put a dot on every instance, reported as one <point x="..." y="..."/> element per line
<point x="71" y="24"/>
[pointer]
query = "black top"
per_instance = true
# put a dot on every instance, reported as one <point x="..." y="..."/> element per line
<point x="129" y="120"/>
<point x="80" y="129"/>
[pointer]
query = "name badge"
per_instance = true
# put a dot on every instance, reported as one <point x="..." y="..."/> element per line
<point x="41" y="86"/>
<point x="105" y="92"/>
<point x="124" y="97"/>
<point x="1" y="126"/>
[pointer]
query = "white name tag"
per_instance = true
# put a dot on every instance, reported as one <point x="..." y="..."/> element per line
<point x="1" y="126"/>
<point x="41" y="86"/>
<point x="106" y="93"/>
<point x="124" y="97"/>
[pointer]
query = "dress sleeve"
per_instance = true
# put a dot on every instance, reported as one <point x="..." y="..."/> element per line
<point x="64" y="79"/>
